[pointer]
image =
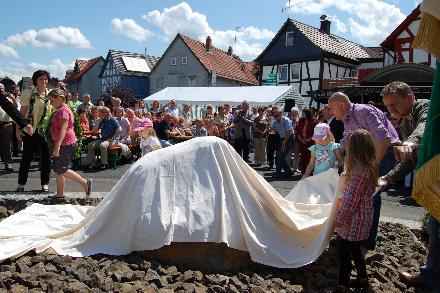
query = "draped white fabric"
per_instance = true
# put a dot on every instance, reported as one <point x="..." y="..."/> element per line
<point x="196" y="191"/>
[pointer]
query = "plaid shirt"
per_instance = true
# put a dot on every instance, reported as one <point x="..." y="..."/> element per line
<point x="356" y="213"/>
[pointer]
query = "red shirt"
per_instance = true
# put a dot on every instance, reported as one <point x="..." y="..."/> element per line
<point x="304" y="131"/>
<point x="356" y="213"/>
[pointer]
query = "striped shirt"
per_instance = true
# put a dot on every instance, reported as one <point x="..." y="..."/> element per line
<point x="356" y="213"/>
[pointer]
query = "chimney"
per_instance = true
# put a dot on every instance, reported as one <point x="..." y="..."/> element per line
<point x="230" y="51"/>
<point x="325" y="26"/>
<point x="208" y="43"/>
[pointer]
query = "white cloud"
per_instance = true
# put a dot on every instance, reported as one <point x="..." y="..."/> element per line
<point x="130" y="29"/>
<point x="246" y="42"/>
<point x="370" y="21"/>
<point x="56" y="67"/>
<point x="8" y="51"/>
<point x="17" y="70"/>
<point x="179" y="19"/>
<point x="49" y="38"/>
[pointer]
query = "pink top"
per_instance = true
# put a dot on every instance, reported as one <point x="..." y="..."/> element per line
<point x="212" y="129"/>
<point x="63" y="113"/>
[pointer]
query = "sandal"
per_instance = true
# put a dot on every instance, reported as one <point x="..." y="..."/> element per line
<point x="56" y="196"/>
<point x="45" y="188"/>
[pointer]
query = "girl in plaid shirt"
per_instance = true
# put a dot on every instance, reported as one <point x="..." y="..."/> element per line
<point x="355" y="215"/>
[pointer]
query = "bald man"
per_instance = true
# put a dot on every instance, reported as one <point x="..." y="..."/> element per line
<point x="368" y="117"/>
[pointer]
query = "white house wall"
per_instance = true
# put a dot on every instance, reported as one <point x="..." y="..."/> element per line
<point x="414" y="26"/>
<point x="371" y="65"/>
<point x="332" y="71"/>
<point x="419" y="55"/>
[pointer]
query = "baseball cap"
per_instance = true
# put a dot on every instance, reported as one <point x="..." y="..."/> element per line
<point x="143" y="123"/>
<point x="320" y="131"/>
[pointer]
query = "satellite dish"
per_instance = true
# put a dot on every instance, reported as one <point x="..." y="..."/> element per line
<point x="323" y="17"/>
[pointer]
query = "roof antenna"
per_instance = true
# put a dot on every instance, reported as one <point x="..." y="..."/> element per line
<point x="287" y="8"/>
<point x="235" y="37"/>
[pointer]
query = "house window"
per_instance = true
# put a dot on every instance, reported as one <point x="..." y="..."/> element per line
<point x="289" y="39"/>
<point x="184" y="60"/>
<point x="283" y="72"/>
<point x="353" y="73"/>
<point x="295" y="70"/>
<point x="173" y="61"/>
<point x="192" y="81"/>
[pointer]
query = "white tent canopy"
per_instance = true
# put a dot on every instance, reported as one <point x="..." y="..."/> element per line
<point x="256" y="95"/>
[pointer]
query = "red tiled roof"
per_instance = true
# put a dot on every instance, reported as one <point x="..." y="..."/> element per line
<point x="389" y="41"/>
<point x="83" y="66"/>
<point x="224" y="65"/>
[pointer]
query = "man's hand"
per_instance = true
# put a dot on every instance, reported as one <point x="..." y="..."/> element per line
<point x="28" y="129"/>
<point x="383" y="182"/>
<point x="403" y="152"/>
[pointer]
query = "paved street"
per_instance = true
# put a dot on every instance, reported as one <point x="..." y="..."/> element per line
<point x="397" y="205"/>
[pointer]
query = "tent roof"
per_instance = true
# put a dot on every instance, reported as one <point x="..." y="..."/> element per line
<point x="256" y="95"/>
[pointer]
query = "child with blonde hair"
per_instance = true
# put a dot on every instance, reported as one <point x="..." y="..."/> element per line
<point x="355" y="215"/>
<point x="325" y="153"/>
<point x="149" y="141"/>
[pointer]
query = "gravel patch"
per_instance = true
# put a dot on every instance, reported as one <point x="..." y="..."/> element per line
<point x="397" y="249"/>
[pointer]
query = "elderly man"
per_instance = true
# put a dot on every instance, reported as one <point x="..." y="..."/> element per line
<point x="336" y="126"/>
<point x="171" y="108"/>
<point x="283" y="126"/>
<point x="163" y="130"/>
<point x="401" y="103"/>
<point x="368" y="117"/>
<point x="243" y="131"/>
<point x="110" y="130"/>
<point x="86" y="104"/>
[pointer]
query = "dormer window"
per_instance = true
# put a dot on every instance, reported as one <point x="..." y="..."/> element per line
<point x="289" y="39"/>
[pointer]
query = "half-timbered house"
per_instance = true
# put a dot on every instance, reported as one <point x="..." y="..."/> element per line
<point x="305" y="56"/>
<point x="131" y="70"/>
<point x="398" y="45"/>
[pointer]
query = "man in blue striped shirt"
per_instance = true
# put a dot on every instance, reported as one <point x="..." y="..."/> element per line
<point x="283" y="126"/>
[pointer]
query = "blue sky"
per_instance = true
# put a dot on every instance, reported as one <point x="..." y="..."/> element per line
<point x="51" y="35"/>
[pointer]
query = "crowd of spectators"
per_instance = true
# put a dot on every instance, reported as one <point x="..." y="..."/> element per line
<point x="306" y="144"/>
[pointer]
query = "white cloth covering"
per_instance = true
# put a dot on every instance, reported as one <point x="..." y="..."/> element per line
<point x="196" y="191"/>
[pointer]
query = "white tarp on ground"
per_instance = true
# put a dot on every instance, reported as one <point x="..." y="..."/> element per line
<point x="256" y="95"/>
<point x="196" y="191"/>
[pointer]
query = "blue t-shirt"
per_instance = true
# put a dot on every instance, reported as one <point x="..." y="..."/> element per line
<point x="325" y="156"/>
<point x="108" y="127"/>
<point x="283" y="126"/>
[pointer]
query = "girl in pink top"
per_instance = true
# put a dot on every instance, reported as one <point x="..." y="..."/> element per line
<point x="64" y="144"/>
<point x="210" y="126"/>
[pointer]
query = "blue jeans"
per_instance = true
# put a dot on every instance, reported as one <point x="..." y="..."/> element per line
<point x="430" y="272"/>
<point x="282" y="163"/>
<point x="387" y="164"/>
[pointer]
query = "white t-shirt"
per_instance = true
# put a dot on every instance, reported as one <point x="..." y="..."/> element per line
<point x="149" y="144"/>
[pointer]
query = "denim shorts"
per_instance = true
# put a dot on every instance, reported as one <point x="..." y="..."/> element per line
<point x="62" y="163"/>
